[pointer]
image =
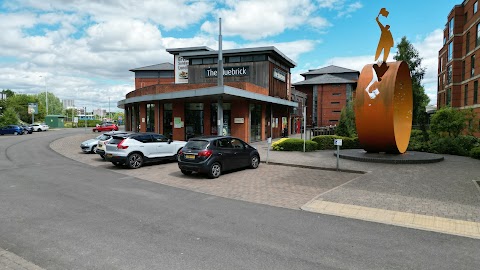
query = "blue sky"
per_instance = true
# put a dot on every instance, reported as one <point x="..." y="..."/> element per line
<point x="85" y="48"/>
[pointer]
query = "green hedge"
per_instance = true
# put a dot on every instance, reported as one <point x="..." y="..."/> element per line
<point x="81" y="123"/>
<point x="292" y="144"/>
<point x="325" y="142"/>
<point x="475" y="152"/>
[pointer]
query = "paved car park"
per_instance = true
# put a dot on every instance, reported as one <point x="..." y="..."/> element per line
<point x="439" y="197"/>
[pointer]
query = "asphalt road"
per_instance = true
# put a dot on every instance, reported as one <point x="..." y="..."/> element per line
<point x="60" y="214"/>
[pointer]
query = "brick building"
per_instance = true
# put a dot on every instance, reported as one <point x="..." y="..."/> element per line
<point x="458" y="75"/>
<point x="328" y="90"/>
<point x="184" y="100"/>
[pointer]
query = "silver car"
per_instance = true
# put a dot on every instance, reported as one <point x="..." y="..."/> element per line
<point x="89" y="146"/>
<point x="133" y="150"/>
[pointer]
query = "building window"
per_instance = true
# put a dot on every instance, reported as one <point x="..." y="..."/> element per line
<point x="477" y="41"/>
<point x="465" y="95"/>
<point x="465" y="18"/>
<point x="450" y="51"/>
<point x="196" y="61"/>
<point x="234" y="59"/>
<point x="336" y="94"/>
<point x="467" y="43"/>
<point x="472" y="65"/>
<point x="335" y="102"/>
<point x="150" y="117"/>
<point x="450" y="28"/>
<point x="475" y="92"/>
<point x="449" y="74"/>
<point x="336" y="111"/>
<point x="463" y="70"/>
<point x="475" y="7"/>
<point x="449" y="97"/>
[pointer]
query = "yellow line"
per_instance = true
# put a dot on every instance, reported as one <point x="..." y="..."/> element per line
<point x="409" y="220"/>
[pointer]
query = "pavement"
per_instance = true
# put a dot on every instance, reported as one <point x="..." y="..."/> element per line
<point x="442" y="197"/>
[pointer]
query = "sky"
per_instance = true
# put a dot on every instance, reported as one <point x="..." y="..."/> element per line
<point x="83" y="50"/>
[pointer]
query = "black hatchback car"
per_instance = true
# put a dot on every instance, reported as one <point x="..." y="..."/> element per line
<point x="215" y="154"/>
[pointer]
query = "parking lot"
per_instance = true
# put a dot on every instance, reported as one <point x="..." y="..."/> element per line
<point x="276" y="185"/>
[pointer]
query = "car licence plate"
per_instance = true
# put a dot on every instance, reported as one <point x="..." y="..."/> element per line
<point x="190" y="156"/>
<point x="109" y="155"/>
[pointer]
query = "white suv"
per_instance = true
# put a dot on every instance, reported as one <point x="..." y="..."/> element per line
<point x="39" y="127"/>
<point x="104" y="139"/>
<point x="136" y="149"/>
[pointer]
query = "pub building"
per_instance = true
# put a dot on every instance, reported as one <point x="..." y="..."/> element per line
<point x="186" y="100"/>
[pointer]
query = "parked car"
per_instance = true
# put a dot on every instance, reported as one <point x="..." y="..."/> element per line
<point x="89" y="146"/>
<point x="106" y="127"/>
<point x="39" y="127"/>
<point x="135" y="149"/>
<point x="11" y="129"/>
<point x="27" y="129"/>
<point x="215" y="154"/>
<point x="104" y="139"/>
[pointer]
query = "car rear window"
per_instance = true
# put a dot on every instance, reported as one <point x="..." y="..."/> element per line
<point x="116" y="140"/>
<point x="196" y="144"/>
<point x="104" y="137"/>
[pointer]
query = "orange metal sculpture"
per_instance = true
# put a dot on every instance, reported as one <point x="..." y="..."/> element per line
<point x="384" y="103"/>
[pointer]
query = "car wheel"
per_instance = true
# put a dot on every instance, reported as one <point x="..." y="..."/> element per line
<point x="103" y="157"/>
<point x="39" y="130"/>
<point x="94" y="148"/>
<point x="135" y="161"/>
<point x="215" y="170"/>
<point x="15" y="133"/>
<point x="254" y="161"/>
<point x="186" y="172"/>
<point x="116" y="163"/>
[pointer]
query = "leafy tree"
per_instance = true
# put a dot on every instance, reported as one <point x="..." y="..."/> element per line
<point x="55" y="106"/>
<point x="19" y="103"/>
<point x="346" y="125"/>
<point x="448" y="121"/>
<point x="407" y="53"/>
<point x="9" y="117"/>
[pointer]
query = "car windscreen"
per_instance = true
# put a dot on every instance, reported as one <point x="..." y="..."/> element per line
<point x="196" y="144"/>
<point x="104" y="137"/>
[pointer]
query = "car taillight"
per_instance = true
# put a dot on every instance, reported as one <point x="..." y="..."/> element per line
<point x="205" y="153"/>
<point x="180" y="152"/>
<point x="120" y="146"/>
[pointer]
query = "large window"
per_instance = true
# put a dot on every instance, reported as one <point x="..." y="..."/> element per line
<point x="463" y="70"/>
<point x="472" y="65"/>
<point x="465" y="95"/>
<point x="449" y="75"/>
<point x="449" y="97"/>
<point x="450" y="28"/>
<point x="475" y="7"/>
<point x="168" y="120"/>
<point x="467" y="43"/>
<point x="150" y="117"/>
<point x="477" y="41"/>
<point x="450" y="51"/>
<point x="475" y="92"/>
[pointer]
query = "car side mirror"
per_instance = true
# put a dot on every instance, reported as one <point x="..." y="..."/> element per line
<point x="169" y="141"/>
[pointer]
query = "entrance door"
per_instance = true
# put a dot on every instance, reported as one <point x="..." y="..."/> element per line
<point x="193" y="120"/>
<point x="168" y="120"/>
<point x="255" y="122"/>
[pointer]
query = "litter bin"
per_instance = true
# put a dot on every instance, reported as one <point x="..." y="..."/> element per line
<point x="285" y="133"/>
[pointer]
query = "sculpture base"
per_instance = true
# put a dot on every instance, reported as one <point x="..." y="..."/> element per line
<point x="409" y="157"/>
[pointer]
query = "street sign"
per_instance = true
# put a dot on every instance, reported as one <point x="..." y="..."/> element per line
<point x="337" y="142"/>
<point x="32" y="108"/>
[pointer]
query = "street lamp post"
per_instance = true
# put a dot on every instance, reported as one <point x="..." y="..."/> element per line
<point x="46" y="93"/>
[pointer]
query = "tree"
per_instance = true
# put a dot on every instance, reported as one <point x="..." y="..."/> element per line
<point x="346" y="125"/>
<point x="55" y="106"/>
<point x="19" y="103"/>
<point x="9" y="117"/>
<point x="407" y="53"/>
<point x="448" y="121"/>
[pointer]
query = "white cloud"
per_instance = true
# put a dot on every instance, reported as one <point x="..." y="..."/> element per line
<point x="290" y="49"/>
<point x="249" y="20"/>
<point x="345" y="12"/>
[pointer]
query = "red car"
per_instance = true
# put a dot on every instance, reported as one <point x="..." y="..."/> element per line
<point x="105" y="127"/>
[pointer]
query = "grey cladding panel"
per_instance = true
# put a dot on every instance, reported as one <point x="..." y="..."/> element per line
<point x="258" y="73"/>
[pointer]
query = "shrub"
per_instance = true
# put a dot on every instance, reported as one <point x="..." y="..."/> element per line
<point x="448" y="121"/>
<point x="418" y="142"/>
<point x="475" y="152"/>
<point x="460" y="145"/>
<point x="326" y="142"/>
<point x="346" y="125"/>
<point x="291" y="144"/>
